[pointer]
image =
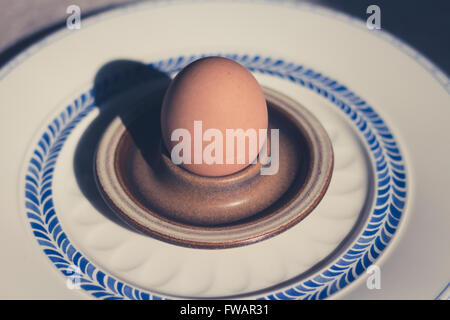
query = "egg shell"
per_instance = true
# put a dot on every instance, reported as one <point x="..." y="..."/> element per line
<point x="222" y="94"/>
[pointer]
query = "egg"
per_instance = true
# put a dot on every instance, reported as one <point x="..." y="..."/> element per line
<point x="208" y="101"/>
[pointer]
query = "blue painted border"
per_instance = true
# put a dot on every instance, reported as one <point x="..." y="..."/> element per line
<point x="382" y="223"/>
<point x="444" y="294"/>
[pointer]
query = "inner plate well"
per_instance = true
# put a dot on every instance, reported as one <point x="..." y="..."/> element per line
<point x="160" y="267"/>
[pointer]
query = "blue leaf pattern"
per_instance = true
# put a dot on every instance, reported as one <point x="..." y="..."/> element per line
<point x="390" y="184"/>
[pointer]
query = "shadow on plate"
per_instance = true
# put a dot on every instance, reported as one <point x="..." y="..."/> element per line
<point x="130" y="90"/>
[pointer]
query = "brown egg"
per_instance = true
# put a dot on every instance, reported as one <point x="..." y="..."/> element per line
<point x="218" y="94"/>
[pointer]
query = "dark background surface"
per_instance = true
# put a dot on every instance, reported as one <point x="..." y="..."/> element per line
<point x="423" y="24"/>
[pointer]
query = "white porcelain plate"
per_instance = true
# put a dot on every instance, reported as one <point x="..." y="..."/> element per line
<point x="385" y="107"/>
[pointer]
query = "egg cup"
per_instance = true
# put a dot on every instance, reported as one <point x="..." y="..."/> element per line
<point x="140" y="182"/>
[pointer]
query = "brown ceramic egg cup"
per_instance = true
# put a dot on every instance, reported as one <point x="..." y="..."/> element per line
<point x="139" y="181"/>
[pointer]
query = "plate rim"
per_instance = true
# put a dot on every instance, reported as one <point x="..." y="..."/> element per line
<point x="427" y="64"/>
